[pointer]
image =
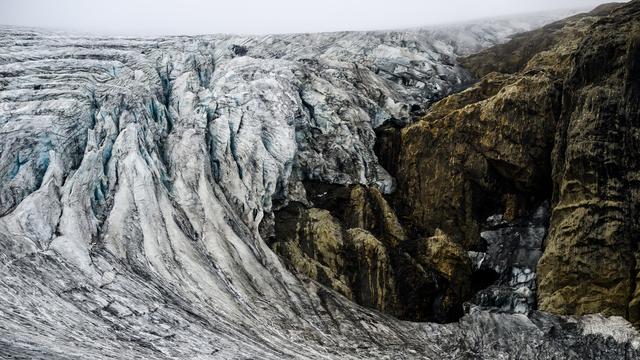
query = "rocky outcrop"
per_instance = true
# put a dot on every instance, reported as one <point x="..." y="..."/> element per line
<point x="552" y="120"/>
<point x="477" y="153"/>
<point x="359" y="248"/>
<point x="486" y="150"/>
<point x="590" y="262"/>
<point x="311" y="240"/>
<point x="370" y="272"/>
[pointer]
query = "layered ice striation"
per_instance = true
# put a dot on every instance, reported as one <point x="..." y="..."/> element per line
<point x="134" y="175"/>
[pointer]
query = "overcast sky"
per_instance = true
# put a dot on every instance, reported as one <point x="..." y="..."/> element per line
<point x="171" y="17"/>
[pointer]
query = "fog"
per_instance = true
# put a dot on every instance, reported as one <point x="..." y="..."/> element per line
<point x="172" y="17"/>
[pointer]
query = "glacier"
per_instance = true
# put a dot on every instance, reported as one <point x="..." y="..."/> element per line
<point x="135" y="174"/>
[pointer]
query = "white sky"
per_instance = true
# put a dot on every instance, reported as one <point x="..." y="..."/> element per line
<point x="172" y="17"/>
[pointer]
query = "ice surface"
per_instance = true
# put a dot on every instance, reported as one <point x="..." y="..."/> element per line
<point x="134" y="174"/>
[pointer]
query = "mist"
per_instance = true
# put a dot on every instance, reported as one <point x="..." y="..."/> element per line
<point x="191" y="17"/>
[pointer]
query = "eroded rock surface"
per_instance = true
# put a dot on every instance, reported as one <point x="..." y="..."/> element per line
<point x="353" y="242"/>
<point x="552" y="121"/>
<point x="590" y="263"/>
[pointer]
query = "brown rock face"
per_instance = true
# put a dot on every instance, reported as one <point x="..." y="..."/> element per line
<point x="313" y="245"/>
<point x="560" y="121"/>
<point x="370" y="273"/>
<point x="368" y="209"/>
<point x="460" y="161"/>
<point x="354" y="243"/>
<point x="450" y="263"/>
<point x="590" y="262"/>
<point x="487" y="149"/>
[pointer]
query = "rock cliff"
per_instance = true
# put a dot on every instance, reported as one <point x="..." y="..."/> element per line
<point x="590" y="263"/>
<point x="554" y="118"/>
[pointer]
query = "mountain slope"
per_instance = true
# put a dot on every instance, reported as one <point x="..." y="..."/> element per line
<point x="553" y="120"/>
<point x="138" y="177"/>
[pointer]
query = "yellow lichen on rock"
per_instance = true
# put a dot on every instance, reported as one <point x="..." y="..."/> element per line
<point x="450" y="161"/>
<point x="448" y="258"/>
<point x="368" y="209"/>
<point x="373" y="279"/>
<point x="314" y="247"/>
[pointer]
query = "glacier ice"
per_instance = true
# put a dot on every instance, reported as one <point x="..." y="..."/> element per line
<point x="134" y="175"/>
